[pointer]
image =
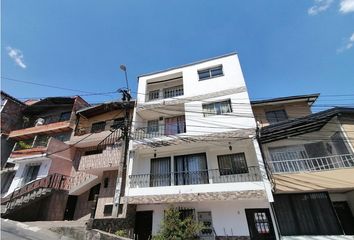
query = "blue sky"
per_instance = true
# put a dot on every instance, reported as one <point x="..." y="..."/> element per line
<point x="285" y="47"/>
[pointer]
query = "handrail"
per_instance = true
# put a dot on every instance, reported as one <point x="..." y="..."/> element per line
<point x="312" y="164"/>
<point x="54" y="181"/>
<point x="207" y="176"/>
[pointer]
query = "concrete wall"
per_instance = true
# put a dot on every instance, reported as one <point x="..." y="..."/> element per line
<point x="347" y="123"/>
<point x="62" y="157"/>
<point x="83" y="206"/>
<point x="229" y="218"/>
<point x="293" y="110"/>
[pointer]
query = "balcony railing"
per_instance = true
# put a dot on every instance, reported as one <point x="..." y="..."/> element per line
<point x="160" y="130"/>
<point x="312" y="164"/>
<point x="39" y="141"/>
<point x="165" y="93"/>
<point x="210" y="176"/>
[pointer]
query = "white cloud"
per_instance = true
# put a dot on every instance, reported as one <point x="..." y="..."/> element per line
<point x="346" y="6"/>
<point x="319" y="6"/>
<point x="17" y="56"/>
<point x="349" y="43"/>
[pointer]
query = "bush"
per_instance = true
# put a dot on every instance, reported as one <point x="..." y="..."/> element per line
<point x="122" y="233"/>
<point x="175" y="228"/>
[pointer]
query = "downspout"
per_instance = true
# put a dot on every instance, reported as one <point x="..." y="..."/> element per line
<point x="258" y="135"/>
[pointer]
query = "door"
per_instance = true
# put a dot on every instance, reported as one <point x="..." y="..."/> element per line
<point x="345" y="217"/>
<point x="143" y="225"/>
<point x="260" y="224"/>
<point x="70" y="208"/>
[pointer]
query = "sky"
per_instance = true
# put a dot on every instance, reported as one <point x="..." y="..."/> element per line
<point x="285" y="47"/>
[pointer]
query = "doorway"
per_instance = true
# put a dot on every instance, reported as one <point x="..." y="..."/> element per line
<point x="70" y="208"/>
<point x="345" y="217"/>
<point x="143" y="225"/>
<point x="260" y="224"/>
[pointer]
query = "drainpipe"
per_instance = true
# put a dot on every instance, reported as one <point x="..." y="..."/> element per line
<point x="258" y="135"/>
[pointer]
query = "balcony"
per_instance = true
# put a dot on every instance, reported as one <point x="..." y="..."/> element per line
<point x="164" y="93"/>
<point x="95" y="163"/>
<point x="210" y="176"/>
<point x="50" y="128"/>
<point x="172" y="126"/>
<point x="37" y="145"/>
<point x="312" y="164"/>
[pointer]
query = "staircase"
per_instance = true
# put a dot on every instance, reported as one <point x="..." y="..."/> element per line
<point x="33" y="192"/>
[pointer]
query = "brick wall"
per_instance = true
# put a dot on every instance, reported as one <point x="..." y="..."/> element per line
<point x="106" y="195"/>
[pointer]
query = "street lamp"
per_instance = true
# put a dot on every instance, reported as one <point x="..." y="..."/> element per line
<point x="124" y="68"/>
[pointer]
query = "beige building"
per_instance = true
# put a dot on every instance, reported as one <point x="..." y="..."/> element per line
<point x="309" y="157"/>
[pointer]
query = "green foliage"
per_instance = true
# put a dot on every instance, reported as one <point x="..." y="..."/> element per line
<point x="175" y="228"/>
<point x="24" y="145"/>
<point x="122" y="233"/>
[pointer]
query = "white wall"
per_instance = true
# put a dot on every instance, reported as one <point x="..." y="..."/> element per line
<point x="21" y="166"/>
<point x="228" y="217"/>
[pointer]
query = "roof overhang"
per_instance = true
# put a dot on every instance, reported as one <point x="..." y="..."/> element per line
<point x="104" y="108"/>
<point x="309" y="98"/>
<point x="299" y="126"/>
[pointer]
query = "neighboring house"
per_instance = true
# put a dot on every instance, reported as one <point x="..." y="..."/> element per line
<point x="11" y="111"/>
<point x="311" y="163"/>
<point x="97" y="140"/>
<point x="194" y="147"/>
<point x="42" y="159"/>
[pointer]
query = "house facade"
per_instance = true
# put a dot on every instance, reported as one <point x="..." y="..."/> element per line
<point x="310" y="160"/>
<point x="42" y="160"/>
<point x="194" y="147"/>
<point x="98" y="143"/>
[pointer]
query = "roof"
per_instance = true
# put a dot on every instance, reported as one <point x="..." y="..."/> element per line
<point x="103" y="108"/>
<point x="49" y="102"/>
<point x="12" y="98"/>
<point x="310" y="98"/>
<point x="298" y="126"/>
<point x="187" y="65"/>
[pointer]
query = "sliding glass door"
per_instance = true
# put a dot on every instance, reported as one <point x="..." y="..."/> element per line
<point x="191" y="169"/>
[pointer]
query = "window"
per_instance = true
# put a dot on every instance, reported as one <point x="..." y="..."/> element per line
<point x="210" y="73"/>
<point x="118" y="123"/>
<point x="217" y="108"/>
<point x="276" y="116"/>
<point x="98" y="127"/>
<point x="65" y="116"/>
<point x="63" y="136"/>
<point x="105" y="182"/>
<point x="31" y="173"/>
<point x="160" y="172"/>
<point x="232" y="164"/>
<point x="95" y="190"/>
<point x="186" y="213"/>
<point x="107" y="211"/>
<point x="153" y="126"/>
<point x="175" y="125"/>
<point x="153" y="95"/>
<point x="93" y="152"/>
<point x="173" y="92"/>
<point x="191" y="169"/>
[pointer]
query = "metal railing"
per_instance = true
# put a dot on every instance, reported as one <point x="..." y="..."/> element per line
<point x="312" y="164"/>
<point x="165" y="93"/>
<point x="54" y="181"/>
<point x="210" y="176"/>
<point x="158" y="131"/>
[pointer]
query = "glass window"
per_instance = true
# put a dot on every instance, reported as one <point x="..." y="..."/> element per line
<point x="107" y="211"/>
<point x="98" y="127"/>
<point x="65" y="116"/>
<point x="276" y="116"/>
<point x="232" y="164"/>
<point x="152" y="126"/>
<point x="118" y="123"/>
<point x="154" y="95"/>
<point x="210" y="72"/>
<point x="217" y="108"/>
<point x="160" y="172"/>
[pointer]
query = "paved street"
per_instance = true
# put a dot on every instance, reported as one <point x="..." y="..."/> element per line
<point x="11" y="230"/>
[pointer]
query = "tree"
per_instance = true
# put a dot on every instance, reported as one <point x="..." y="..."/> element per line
<point x="173" y="227"/>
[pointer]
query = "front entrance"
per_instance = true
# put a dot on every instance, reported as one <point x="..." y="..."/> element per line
<point x="70" y="208"/>
<point x="260" y="224"/>
<point x="345" y="217"/>
<point x="143" y="225"/>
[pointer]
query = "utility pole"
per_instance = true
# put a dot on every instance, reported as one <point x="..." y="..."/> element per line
<point x="122" y="170"/>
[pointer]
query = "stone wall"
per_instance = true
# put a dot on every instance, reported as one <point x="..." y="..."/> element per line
<point x="111" y="225"/>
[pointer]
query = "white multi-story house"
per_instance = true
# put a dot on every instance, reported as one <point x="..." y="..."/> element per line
<point x="194" y="147"/>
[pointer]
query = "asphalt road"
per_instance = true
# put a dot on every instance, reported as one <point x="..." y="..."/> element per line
<point x="11" y="230"/>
